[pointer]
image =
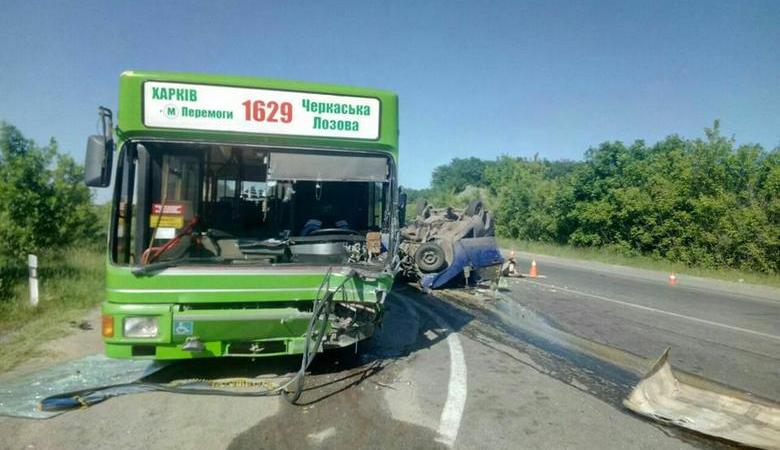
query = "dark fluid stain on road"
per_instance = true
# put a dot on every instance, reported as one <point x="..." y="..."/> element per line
<point x="606" y="381"/>
<point x="355" y="418"/>
<point x="522" y="329"/>
<point x="343" y="403"/>
<point x="214" y="369"/>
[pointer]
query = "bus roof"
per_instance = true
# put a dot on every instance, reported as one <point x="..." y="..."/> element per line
<point x="255" y="111"/>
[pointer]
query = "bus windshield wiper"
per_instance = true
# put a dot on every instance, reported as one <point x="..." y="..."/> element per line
<point x="154" y="267"/>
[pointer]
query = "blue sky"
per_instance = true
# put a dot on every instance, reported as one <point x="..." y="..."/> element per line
<point x="474" y="78"/>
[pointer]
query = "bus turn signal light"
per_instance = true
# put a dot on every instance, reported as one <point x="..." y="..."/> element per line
<point x="108" y="326"/>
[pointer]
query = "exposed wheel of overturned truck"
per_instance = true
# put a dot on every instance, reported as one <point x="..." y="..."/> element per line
<point x="420" y="208"/>
<point x="474" y="208"/>
<point x="429" y="257"/>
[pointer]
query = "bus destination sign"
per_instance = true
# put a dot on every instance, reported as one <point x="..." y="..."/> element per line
<point x="262" y="111"/>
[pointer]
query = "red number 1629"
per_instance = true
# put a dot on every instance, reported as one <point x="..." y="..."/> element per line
<point x="261" y="111"/>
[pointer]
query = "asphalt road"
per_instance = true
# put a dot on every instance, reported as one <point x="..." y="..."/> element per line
<point x="447" y="373"/>
<point x="726" y="332"/>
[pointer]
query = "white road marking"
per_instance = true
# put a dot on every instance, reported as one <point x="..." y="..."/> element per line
<point x="457" y="390"/>
<point x="661" y="311"/>
<point x="320" y="436"/>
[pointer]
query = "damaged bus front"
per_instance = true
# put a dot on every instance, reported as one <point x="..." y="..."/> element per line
<point x="238" y="203"/>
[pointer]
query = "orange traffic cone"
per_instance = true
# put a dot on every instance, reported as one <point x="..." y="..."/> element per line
<point x="672" y="279"/>
<point x="532" y="273"/>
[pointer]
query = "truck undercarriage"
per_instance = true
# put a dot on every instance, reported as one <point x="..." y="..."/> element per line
<point x="447" y="246"/>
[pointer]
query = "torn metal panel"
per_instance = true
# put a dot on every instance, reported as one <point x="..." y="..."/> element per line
<point x="661" y="396"/>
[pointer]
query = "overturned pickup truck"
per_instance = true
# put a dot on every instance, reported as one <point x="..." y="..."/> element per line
<point x="447" y="246"/>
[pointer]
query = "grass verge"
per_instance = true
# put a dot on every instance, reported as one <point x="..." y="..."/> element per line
<point x="641" y="262"/>
<point x="71" y="281"/>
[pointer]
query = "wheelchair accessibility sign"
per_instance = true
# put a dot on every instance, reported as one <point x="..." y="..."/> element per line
<point x="182" y="328"/>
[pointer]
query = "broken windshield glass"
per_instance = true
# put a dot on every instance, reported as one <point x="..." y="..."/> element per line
<point x="222" y="204"/>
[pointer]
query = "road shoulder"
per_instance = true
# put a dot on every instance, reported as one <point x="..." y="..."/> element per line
<point x="767" y="293"/>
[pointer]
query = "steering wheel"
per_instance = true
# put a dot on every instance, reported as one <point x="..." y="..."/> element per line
<point x="322" y="231"/>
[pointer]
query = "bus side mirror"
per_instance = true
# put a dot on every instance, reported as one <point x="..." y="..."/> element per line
<point x="100" y="153"/>
<point x="97" y="167"/>
<point x="402" y="209"/>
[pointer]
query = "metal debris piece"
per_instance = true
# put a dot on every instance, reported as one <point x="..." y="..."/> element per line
<point x="661" y="396"/>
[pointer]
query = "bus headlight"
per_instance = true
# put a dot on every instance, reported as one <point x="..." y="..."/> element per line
<point x="140" y="327"/>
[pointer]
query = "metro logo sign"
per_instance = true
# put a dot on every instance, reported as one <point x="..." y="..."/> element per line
<point x="261" y="111"/>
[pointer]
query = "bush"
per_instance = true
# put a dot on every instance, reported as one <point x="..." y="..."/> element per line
<point x="44" y="203"/>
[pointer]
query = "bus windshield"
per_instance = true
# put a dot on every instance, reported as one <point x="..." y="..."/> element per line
<point x="198" y="203"/>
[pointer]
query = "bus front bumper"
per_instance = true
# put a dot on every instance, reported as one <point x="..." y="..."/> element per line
<point x="168" y="333"/>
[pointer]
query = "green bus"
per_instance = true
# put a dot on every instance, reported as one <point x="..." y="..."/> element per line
<point x="239" y="206"/>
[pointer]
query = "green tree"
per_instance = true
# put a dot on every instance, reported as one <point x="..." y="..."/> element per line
<point x="459" y="173"/>
<point x="701" y="202"/>
<point x="531" y="197"/>
<point x="43" y="200"/>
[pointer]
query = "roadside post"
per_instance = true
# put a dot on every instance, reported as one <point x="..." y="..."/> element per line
<point x="32" y="265"/>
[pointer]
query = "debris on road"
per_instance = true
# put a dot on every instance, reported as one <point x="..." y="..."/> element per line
<point x="661" y="396"/>
<point x="82" y="325"/>
<point x="21" y="397"/>
<point x="509" y="268"/>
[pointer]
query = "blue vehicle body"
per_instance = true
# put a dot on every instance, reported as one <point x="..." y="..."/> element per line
<point x="480" y="255"/>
